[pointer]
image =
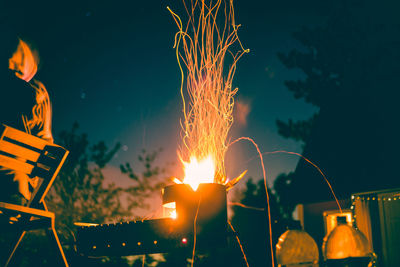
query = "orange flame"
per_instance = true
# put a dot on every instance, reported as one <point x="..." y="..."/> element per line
<point x="169" y="210"/>
<point x="202" y="46"/>
<point x="197" y="172"/>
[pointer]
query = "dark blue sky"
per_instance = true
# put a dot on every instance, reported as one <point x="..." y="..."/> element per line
<point x="111" y="66"/>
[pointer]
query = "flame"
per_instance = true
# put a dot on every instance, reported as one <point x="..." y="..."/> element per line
<point x="203" y="48"/>
<point x="197" y="172"/>
<point x="169" y="210"/>
<point x="173" y="214"/>
<point x="24" y="62"/>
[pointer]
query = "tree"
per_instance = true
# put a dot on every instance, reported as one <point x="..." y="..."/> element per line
<point x="146" y="183"/>
<point x="297" y="130"/>
<point x="79" y="188"/>
<point x="351" y="71"/>
<point x="82" y="191"/>
<point x="339" y="58"/>
<point x="285" y="200"/>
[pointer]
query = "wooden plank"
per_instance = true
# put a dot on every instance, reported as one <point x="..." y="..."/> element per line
<point x="49" y="176"/>
<point x="48" y="163"/>
<point x="18" y="151"/>
<point x="2" y="129"/>
<point x="14" y="164"/>
<point x="66" y="152"/>
<point x="24" y="138"/>
<point x="25" y="210"/>
<point x="41" y="173"/>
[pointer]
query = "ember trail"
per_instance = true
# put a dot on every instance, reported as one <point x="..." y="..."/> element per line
<point x="202" y="51"/>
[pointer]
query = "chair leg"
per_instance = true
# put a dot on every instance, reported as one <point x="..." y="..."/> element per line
<point x="52" y="234"/>
<point x="14" y="247"/>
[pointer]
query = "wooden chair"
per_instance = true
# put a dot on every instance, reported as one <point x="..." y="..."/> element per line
<point x="35" y="157"/>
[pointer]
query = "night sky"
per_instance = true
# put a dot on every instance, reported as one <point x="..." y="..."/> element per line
<point x="111" y="67"/>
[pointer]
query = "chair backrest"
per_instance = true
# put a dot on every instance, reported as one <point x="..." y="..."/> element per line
<point x="33" y="156"/>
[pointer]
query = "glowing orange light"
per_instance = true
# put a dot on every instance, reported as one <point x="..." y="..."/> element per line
<point x="197" y="172"/>
<point x="170" y="210"/>
<point x="170" y="205"/>
<point x="177" y="181"/>
<point x="173" y="214"/>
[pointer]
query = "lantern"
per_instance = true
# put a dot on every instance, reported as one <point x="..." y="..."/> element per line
<point x="296" y="248"/>
<point x="346" y="246"/>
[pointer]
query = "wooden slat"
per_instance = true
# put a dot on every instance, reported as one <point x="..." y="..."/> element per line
<point x="43" y="193"/>
<point x="25" y="210"/>
<point x="14" y="164"/>
<point x="24" y="138"/>
<point x="51" y="163"/>
<point x="2" y="130"/>
<point x="41" y="173"/>
<point x="18" y="151"/>
<point x="59" y="154"/>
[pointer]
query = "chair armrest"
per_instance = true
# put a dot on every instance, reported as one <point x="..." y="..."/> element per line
<point x="17" y="209"/>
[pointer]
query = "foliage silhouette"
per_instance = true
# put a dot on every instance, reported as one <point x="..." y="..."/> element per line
<point x="350" y="64"/>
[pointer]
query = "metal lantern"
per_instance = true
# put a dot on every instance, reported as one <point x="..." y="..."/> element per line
<point x="346" y="246"/>
<point x="297" y="248"/>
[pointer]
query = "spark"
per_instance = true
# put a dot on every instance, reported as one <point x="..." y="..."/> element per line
<point x="238" y="204"/>
<point x="202" y="48"/>
<point x="266" y="192"/>
<point x="195" y="232"/>
<point x="240" y="244"/>
<point x="312" y="164"/>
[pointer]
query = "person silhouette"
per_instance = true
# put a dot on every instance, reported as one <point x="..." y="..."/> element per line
<point x="24" y="105"/>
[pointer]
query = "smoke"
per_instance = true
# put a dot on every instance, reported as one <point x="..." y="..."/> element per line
<point x="241" y="112"/>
